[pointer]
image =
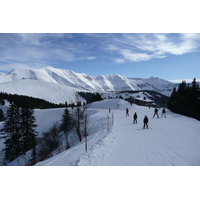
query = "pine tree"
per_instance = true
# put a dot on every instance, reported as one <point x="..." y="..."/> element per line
<point x="172" y="100"/>
<point x="19" y="131"/>
<point x="66" y="125"/>
<point x="195" y="86"/>
<point x="28" y="129"/>
<point x="1" y="115"/>
<point x="2" y="102"/>
<point x="96" y="97"/>
<point x="12" y="133"/>
<point x="182" y="87"/>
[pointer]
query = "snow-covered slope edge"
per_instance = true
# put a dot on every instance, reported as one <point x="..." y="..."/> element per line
<point x="48" y="91"/>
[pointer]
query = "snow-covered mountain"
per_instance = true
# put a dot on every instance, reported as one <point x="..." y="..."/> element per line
<point x="58" y="85"/>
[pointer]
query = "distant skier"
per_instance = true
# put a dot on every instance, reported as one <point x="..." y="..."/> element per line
<point x="127" y="112"/>
<point x="135" y="118"/>
<point x="156" y="112"/>
<point x="146" y="120"/>
<point x="163" y="113"/>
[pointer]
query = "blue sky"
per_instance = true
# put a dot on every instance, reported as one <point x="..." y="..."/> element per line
<point x="169" y="56"/>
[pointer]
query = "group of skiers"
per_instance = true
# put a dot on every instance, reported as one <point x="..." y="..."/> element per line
<point x="145" y="120"/>
<point x="156" y="113"/>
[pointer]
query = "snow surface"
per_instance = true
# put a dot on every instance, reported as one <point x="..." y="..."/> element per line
<point x="48" y="91"/>
<point x="171" y="141"/>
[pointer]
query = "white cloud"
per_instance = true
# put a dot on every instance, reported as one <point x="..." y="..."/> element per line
<point x="193" y="36"/>
<point x="161" y="37"/>
<point x="119" y="60"/>
<point x="183" y="43"/>
<point x="40" y="38"/>
<point x="176" y="48"/>
<point x="111" y="47"/>
<point x="159" y="53"/>
<point x="60" y="54"/>
<point x="34" y="48"/>
<point x="30" y="38"/>
<point x="91" y="58"/>
<point x="11" y="66"/>
<point x="143" y="47"/>
<point x="136" y="57"/>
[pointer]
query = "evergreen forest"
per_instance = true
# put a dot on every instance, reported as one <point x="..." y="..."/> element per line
<point x="186" y="100"/>
<point x="28" y="102"/>
<point x="19" y="132"/>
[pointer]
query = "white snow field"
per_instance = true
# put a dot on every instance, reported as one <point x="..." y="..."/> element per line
<point x="170" y="141"/>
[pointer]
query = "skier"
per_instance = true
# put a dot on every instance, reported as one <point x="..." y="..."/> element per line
<point x="163" y="113"/>
<point x="156" y="112"/>
<point x="146" y="120"/>
<point x="127" y="112"/>
<point x="135" y="118"/>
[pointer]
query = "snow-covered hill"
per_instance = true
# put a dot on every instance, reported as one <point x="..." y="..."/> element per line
<point x="58" y="85"/>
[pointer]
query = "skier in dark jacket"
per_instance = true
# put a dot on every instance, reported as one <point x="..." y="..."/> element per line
<point x="163" y="113"/>
<point x="135" y="118"/>
<point x="127" y="112"/>
<point x="146" y="120"/>
<point x="156" y="112"/>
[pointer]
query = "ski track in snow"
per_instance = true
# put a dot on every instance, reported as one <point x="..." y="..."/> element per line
<point x="130" y="145"/>
<point x="171" y="141"/>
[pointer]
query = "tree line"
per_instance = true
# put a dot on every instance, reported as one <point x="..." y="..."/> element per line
<point x="186" y="99"/>
<point x="28" y="102"/>
<point x="91" y="97"/>
<point x="37" y="103"/>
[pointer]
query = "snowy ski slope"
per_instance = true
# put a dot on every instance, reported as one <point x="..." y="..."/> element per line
<point x="168" y="141"/>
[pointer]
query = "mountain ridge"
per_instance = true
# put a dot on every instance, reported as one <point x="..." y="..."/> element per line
<point x="59" y="85"/>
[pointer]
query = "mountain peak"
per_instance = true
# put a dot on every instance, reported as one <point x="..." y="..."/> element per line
<point x="61" y="81"/>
